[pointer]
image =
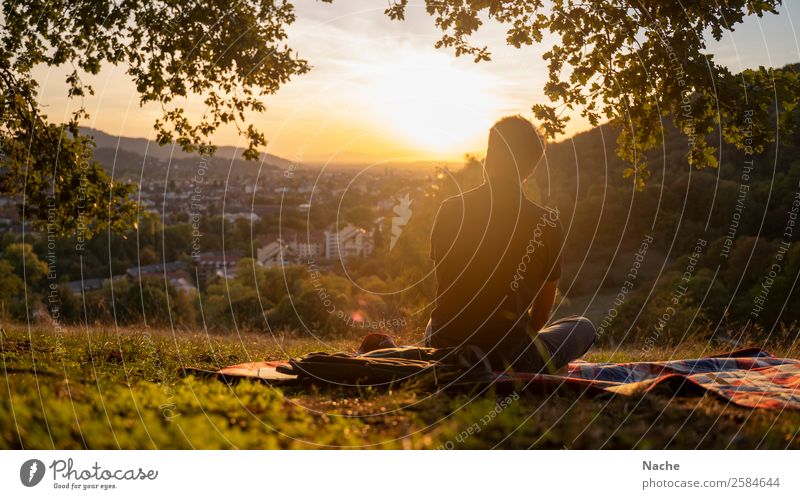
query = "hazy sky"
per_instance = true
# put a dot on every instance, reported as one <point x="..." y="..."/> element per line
<point x="379" y="91"/>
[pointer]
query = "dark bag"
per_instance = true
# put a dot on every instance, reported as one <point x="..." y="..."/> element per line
<point x="437" y="366"/>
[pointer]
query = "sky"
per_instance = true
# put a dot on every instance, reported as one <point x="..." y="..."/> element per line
<point x="379" y="91"/>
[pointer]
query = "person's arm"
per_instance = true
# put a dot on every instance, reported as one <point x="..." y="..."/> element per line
<point x="543" y="306"/>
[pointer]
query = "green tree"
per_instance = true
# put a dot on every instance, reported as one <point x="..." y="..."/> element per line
<point x="360" y="216"/>
<point x="11" y="289"/>
<point x="227" y="54"/>
<point x="636" y="63"/>
<point x="236" y="302"/>
<point x="147" y="301"/>
<point x="25" y="263"/>
<point x="70" y="306"/>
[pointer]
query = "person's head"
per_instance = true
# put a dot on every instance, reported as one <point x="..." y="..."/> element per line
<point x="515" y="148"/>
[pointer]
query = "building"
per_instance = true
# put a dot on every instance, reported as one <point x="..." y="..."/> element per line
<point x="293" y="247"/>
<point x="307" y="245"/>
<point x="175" y="272"/>
<point x="349" y="242"/>
<point x="249" y="216"/>
<point x="263" y="210"/>
<point x="276" y="253"/>
<point x="215" y="263"/>
<point x="157" y="269"/>
<point x="79" y="287"/>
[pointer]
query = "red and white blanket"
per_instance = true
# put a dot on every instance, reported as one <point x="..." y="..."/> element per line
<point x="749" y="378"/>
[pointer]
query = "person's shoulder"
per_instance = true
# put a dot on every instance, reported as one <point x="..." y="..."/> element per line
<point x="458" y="201"/>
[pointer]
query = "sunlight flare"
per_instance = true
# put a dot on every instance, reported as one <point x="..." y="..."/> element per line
<point x="431" y="102"/>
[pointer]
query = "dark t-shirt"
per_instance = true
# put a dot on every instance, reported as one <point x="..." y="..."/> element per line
<point x="493" y="249"/>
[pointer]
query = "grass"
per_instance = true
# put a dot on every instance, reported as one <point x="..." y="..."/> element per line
<point x="106" y="388"/>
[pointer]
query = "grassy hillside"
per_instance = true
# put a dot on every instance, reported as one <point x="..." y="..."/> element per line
<point x="105" y="389"/>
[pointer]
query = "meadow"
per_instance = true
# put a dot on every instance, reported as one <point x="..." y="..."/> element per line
<point x="112" y="388"/>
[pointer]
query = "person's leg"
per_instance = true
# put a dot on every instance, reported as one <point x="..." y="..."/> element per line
<point x="567" y="339"/>
<point x="561" y="342"/>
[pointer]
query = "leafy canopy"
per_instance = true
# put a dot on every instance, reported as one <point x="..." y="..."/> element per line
<point x="635" y="63"/>
<point x="228" y="53"/>
<point x="632" y="62"/>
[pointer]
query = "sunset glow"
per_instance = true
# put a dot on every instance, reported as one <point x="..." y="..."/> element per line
<point x="380" y="91"/>
<point x="432" y="104"/>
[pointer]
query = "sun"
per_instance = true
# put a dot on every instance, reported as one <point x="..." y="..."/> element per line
<point x="431" y="102"/>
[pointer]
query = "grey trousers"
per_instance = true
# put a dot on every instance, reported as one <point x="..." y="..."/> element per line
<point x="557" y="344"/>
<point x="553" y="347"/>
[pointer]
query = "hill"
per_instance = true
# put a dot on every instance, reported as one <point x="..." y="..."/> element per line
<point x="149" y="148"/>
<point x="144" y="161"/>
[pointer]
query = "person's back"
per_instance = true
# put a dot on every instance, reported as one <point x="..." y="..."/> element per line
<point x="494" y="250"/>
<point x="497" y="258"/>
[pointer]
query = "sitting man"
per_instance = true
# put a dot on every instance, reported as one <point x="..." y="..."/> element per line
<point x="498" y="260"/>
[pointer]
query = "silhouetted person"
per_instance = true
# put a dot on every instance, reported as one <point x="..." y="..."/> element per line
<point x="498" y="261"/>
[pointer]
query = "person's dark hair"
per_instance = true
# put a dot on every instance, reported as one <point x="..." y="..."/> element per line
<point x="515" y="148"/>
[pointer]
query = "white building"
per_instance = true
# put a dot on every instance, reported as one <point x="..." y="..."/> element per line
<point x="300" y="247"/>
<point x="275" y="253"/>
<point x="349" y="242"/>
<point x="292" y="248"/>
<point x="308" y="250"/>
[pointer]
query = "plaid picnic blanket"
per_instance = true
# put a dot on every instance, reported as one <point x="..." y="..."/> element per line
<point x="748" y="378"/>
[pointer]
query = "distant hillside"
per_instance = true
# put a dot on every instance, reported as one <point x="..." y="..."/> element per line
<point x="589" y="160"/>
<point x="149" y="148"/>
<point x="139" y="159"/>
<point x="606" y="219"/>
